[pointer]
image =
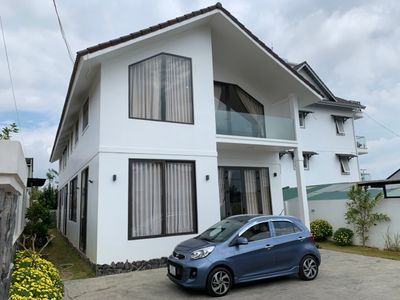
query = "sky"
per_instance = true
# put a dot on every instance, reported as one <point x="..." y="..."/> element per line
<point x="353" y="45"/>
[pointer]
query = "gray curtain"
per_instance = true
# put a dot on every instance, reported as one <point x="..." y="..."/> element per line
<point x="178" y="89"/>
<point x="251" y="191"/>
<point x="179" y="197"/>
<point x="265" y="192"/>
<point x="145" y="89"/>
<point x="221" y="183"/>
<point x="146" y="199"/>
<point x="254" y="108"/>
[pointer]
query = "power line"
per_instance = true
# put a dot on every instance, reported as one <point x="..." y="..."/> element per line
<point x="63" y="33"/>
<point x="11" y="79"/>
<point x="382" y="125"/>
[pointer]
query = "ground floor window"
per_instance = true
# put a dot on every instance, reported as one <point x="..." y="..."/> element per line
<point x="73" y="198"/>
<point x="244" y="191"/>
<point x="162" y="198"/>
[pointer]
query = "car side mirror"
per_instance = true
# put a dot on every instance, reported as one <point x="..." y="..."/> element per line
<point x="241" y="241"/>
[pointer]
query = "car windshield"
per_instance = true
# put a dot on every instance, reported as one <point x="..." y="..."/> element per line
<point x="221" y="231"/>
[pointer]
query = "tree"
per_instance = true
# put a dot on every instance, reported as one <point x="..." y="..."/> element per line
<point x="360" y="211"/>
<point x="48" y="196"/>
<point x="6" y="131"/>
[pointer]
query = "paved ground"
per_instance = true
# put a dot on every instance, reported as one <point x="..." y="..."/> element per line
<point x="342" y="276"/>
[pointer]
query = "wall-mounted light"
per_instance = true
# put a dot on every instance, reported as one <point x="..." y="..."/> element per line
<point x="114" y="177"/>
<point x="275" y="174"/>
<point x="207" y="177"/>
<point x="91" y="181"/>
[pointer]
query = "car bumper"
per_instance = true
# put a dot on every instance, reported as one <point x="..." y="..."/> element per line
<point x="188" y="273"/>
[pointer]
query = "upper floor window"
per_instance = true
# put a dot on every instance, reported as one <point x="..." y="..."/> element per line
<point x="238" y="113"/>
<point x="344" y="160"/>
<point x="302" y="118"/>
<point x="85" y="115"/>
<point x="339" y="122"/>
<point x="160" y="88"/>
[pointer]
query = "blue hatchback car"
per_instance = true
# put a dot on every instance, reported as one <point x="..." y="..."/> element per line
<point x="244" y="248"/>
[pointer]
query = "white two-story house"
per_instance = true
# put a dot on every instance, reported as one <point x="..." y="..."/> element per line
<point x="169" y="129"/>
<point x="327" y="138"/>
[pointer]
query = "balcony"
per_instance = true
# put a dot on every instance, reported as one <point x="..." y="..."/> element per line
<point x="361" y="145"/>
<point x="255" y="126"/>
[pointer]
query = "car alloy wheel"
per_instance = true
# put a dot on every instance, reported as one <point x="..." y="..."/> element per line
<point x="308" y="268"/>
<point x="219" y="282"/>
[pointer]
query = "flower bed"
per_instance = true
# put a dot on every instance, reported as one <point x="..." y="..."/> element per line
<point x="35" y="278"/>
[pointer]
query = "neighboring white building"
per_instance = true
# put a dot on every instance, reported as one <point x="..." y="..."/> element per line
<point x="167" y="130"/>
<point x="327" y="137"/>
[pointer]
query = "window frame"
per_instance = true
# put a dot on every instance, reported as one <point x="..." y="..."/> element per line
<point x="163" y="198"/>
<point x="254" y="224"/>
<point x="73" y="216"/>
<point x="302" y="119"/>
<point x="306" y="162"/>
<point x="85" y="108"/>
<point x="163" y="106"/>
<point x="344" y="160"/>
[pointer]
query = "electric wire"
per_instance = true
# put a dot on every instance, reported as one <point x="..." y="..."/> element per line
<point x="11" y="80"/>
<point x="63" y="33"/>
<point x="382" y="125"/>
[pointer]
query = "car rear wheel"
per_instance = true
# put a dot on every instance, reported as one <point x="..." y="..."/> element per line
<point x="219" y="282"/>
<point x="308" y="268"/>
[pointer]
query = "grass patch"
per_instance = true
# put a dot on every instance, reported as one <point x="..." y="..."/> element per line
<point x="367" y="251"/>
<point x="66" y="258"/>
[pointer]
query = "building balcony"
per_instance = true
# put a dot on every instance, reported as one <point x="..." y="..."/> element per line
<point x="361" y="145"/>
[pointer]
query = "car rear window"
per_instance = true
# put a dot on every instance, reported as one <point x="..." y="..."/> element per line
<point x="285" y="227"/>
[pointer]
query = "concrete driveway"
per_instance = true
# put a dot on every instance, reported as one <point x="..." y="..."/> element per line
<point x="342" y="276"/>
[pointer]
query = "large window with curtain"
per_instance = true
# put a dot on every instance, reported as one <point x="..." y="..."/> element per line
<point x="160" y="88"/>
<point x="244" y="191"/>
<point x="237" y="112"/>
<point x="162" y="198"/>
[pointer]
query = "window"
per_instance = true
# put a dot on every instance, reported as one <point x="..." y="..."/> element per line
<point x="237" y="113"/>
<point x="244" y="191"/>
<point x="344" y="165"/>
<point x="392" y="190"/>
<point x="162" y="198"/>
<point x="306" y="162"/>
<point x="85" y="116"/>
<point x="73" y="199"/>
<point x="339" y="122"/>
<point x="302" y="119"/>
<point x="285" y="227"/>
<point x="160" y="88"/>
<point x="76" y="131"/>
<point x="257" y="232"/>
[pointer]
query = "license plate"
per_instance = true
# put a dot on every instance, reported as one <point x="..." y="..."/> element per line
<point x="172" y="270"/>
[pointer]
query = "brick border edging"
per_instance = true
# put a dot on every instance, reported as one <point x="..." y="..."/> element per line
<point x="134" y="266"/>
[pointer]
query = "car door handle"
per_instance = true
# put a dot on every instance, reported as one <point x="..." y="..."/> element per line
<point x="301" y="238"/>
<point x="268" y="246"/>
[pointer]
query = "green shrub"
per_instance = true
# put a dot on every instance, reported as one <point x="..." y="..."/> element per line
<point x="35" y="278"/>
<point x="343" y="237"/>
<point x="321" y="229"/>
<point x="39" y="220"/>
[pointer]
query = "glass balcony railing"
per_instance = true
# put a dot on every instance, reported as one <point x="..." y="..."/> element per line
<point x="361" y="142"/>
<point x="251" y="125"/>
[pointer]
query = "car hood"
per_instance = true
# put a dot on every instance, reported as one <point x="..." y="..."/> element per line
<point x="192" y="244"/>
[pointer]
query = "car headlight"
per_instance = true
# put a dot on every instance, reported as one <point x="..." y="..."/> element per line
<point x="201" y="253"/>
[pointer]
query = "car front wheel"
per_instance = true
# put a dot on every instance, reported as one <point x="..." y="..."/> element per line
<point x="308" y="268"/>
<point x="219" y="282"/>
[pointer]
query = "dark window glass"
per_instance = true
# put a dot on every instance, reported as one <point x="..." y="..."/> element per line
<point x="160" y="88"/>
<point x="85" y="117"/>
<point x="285" y="227"/>
<point x="73" y="199"/>
<point x="237" y="113"/>
<point x="221" y="231"/>
<point x="162" y="198"/>
<point x="257" y="232"/>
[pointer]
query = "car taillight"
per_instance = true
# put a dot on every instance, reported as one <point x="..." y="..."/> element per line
<point x="312" y="237"/>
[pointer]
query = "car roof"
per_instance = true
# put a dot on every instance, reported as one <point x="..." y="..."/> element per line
<point x="247" y="218"/>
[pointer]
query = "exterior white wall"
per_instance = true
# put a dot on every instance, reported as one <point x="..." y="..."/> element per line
<point x="260" y="159"/>
<point x="319" y="135"/>
<point x="333" y="211"/>
<point x="13" y="178"/>
<point x="84" y="154"/>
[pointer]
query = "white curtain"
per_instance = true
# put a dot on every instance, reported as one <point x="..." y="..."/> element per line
<point x="146" y="199"/>
<point x="251" y="191"/>
<point x="178" y="89"/>
<point x="179" y="197"/>
<point x="265" y="192"/>
<point x="145" y="89"/>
